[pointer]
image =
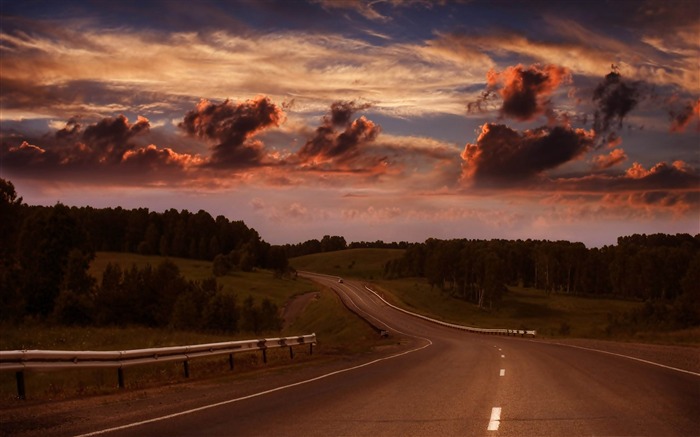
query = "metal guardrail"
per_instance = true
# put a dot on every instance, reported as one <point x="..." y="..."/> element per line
<point x="20" y="361"/>
<point x="492" y="331"/>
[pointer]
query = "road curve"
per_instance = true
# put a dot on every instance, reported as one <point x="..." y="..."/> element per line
<point x="454" y="383"/>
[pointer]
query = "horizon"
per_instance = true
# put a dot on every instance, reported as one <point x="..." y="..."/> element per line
<point x="372" y="120"/>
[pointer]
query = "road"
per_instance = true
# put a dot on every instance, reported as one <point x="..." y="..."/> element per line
<point x="454" y="383"/>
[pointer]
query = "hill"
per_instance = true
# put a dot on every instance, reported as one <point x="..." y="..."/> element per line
<point x="551" y="314"/>
<point x="356" y="263"/>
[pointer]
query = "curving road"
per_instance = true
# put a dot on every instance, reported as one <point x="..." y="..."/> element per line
<point x="453" y="383"/>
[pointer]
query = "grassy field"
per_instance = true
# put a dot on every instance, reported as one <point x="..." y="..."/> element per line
<point x="550" y="316"/>
<point x="259" y="284"/>
<point x="339" y="333"/>
<point x="553" y="315"/>
<point x="365" y="264"/>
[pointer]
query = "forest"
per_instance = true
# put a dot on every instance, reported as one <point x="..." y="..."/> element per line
<point x="46" y="251"/>
<point x="661" y="270"/>
<point x="45" y="254"/>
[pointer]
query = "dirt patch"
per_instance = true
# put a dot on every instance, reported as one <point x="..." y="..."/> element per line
<point x="296" y="307"/>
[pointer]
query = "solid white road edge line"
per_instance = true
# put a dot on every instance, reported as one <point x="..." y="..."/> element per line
<point x="495" y="420"/>
<point x="255" y="395"/>
<point x="631" y="358"/>
<point x="230" y="401"/>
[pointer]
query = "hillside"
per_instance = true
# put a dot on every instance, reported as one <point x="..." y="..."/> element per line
<point x="551" y="314"/>
<point x="356" y="263"/>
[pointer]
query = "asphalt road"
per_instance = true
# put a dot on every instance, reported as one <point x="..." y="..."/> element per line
<point x="454" y="383"/>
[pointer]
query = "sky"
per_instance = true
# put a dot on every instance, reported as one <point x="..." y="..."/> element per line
<point x="393" y="120"/>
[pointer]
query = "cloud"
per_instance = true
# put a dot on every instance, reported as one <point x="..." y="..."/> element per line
<point x="614" y="98"/>
<point x="676" y="177"/>
<point x="367" y="8"/>
<point x="340" y="142"/>
<point x="524" y="91"/>
<point x="680" y="119"/>
<point x="602" y="162"/>
<point x="503" y="156"/>
<point x="105" y="151"/>
<point x="231" y="126"/>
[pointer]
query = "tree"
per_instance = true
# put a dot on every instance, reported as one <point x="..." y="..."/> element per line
<point x="47" y="238"/>
<point x="75" y="303"/>
<point x="222" y="313"/>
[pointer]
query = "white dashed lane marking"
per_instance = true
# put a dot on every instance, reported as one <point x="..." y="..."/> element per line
<point x="503" y="372"/>
<point x="495" y="420"/>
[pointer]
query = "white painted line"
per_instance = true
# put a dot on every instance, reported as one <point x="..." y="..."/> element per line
<point x="503" y="356"/>
<point x="631" y="358"/>
<point x="503" y="372"/>
<point x="495" y="420"/>
<point x="262" y="393"/>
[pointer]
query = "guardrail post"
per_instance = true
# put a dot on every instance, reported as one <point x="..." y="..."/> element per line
<point x="264" y="351"/>
<point x="230" y="361"/>
<point x="187" y="369"/>
<point x="291" y="353"/>
<point x="120" y="377"/>
<point x="311" y="348"/>
<point x="21" y="392"/>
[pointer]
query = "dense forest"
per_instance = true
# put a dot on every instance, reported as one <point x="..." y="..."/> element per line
<point x="45" y="253"/>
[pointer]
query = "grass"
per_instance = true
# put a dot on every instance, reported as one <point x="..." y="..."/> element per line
<point x="553" y="315"/>
<point x="550" y="315"/>
<point x="260" y="283"/>
<point x="338" y="331"/>
<point x="365" y="264"/>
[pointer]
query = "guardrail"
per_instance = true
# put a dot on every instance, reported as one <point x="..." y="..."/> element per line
<point x="20" y="361"/>
<point x="492" y="331"/>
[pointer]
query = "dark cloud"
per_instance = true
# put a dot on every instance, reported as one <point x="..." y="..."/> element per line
<point x="677" y="177"/>
<point x="524" y="91"/>
<point x="330" y="144"/>
<point x="232" y="125"/>
<point x="110" y="137"/>
<point x="503" y="156"/>
<point x="614" y="98"/>
<point x="680" y="119"/>
<point x="104" y="151"/>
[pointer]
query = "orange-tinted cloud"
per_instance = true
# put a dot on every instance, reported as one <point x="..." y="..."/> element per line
<point x="108" y="148"/>
<point x="678" y="176"/>
<point x="525" y="91"/>
<point x="329" y="145"/>
<point x="503" y="156"/>
<point x="602" y="162"/>
<point x="680" y="119"/>
<point x="232" y="125"/>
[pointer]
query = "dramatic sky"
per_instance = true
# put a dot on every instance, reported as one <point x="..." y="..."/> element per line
<point x="394" y="120"/>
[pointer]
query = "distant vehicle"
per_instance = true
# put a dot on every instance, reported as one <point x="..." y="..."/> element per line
<point x="340" y="280"/>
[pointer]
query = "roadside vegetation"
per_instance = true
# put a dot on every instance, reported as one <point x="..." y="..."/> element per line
<point x="554" y="313"/>
<point x="104" y="279"/>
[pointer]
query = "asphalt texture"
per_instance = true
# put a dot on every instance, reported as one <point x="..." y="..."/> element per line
<point x="449" y="383"/>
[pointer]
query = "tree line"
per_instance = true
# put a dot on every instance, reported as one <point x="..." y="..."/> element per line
<point x="45" y="254"/>
<point x="331" y="243"/>
<point x="659" y="269"/>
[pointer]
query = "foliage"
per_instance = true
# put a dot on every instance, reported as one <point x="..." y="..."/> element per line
<point x="45" y="253"/>
<point x="660" y="269"/>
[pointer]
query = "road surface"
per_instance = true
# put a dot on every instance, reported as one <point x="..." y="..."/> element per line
<point x="453" y="383"/>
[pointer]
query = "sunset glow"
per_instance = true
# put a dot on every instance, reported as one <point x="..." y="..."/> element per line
<point x="391" y="120"/>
